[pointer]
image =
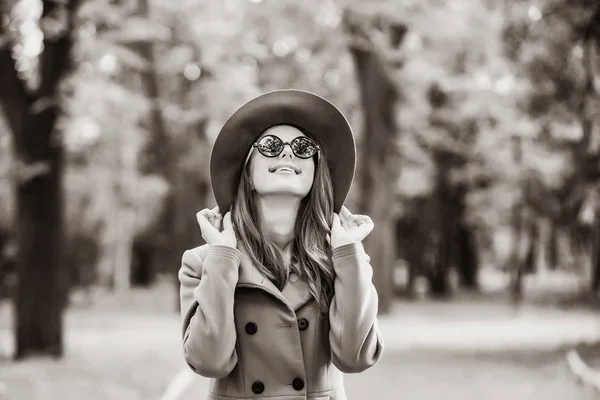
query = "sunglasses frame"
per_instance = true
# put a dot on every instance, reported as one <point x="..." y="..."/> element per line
<point x="256" y="145"/>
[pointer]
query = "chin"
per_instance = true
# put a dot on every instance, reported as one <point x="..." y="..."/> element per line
<point x="283" y="190"/>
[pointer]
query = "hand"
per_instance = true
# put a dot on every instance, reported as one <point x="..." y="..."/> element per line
<point x="348" y="228"/>
<point x="211" y="222"/>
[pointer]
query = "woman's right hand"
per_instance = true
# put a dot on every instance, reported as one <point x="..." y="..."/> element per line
<point x="211" y="222"/>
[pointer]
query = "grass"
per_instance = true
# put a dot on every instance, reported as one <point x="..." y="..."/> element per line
<point x="126" y="346"/>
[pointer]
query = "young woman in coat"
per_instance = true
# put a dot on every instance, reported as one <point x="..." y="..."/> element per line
<point x="279" y="302"/>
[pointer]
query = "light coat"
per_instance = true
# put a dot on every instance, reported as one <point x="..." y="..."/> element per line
<point x="256" y="341"/>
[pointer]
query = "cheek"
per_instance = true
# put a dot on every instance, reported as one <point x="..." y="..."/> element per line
<point x="257" y="171"/>
<point x="310" y="172"/>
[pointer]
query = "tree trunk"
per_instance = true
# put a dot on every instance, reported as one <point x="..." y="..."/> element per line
<point x="190" y="194"/>
<point x="443" y="246"/>
<point x="191" y="187"/>
<point x="592" y="41"/>
<point x="544" y="232"/>
<point x="40" y="296"/>
<point x="106" y="257"/>
<point x="517" y="264"/>
<point x="125" y="221"/>
<point x="41" y="292"/>
<point x="380" y="243"/>
<point x="467" y="260"/>
<point x="453" y="242"/>
<point x="465" y="255"/>
<point x="159" y="152"/>
<point x="552" y="246"/>
<point x="377" y="173"/>
<point x="531" y="260"/>
<point x="118" y="234"/>
<point x="595" y="249"/>
<point x="409" y="245"/>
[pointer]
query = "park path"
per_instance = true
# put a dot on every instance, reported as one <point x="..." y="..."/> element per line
<point x="476" y="351"/>
<point x="423" y="375"/>
<point x="433" y="350"/>
<point x="481" y="351"/>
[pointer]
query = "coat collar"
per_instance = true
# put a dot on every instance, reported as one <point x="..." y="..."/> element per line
<point x="294" y="294"/>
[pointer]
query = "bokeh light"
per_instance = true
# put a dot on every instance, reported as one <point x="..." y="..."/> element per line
<point x="109" y="64"/>
<point x="192" y="71"/>
<point x="534" y="13"/>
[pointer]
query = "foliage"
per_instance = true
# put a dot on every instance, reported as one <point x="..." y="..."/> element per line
<point x="502" y="70"/>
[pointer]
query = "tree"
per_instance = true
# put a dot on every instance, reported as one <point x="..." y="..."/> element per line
<point x="378" y="154"/>
<point x="450" y="107"/>
<point x="32" y="116"/>
<point x="454" y="244"/>
<point x="555" y="48"/>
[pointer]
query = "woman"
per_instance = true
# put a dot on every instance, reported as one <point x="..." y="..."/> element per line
<point x="279" y="302"/>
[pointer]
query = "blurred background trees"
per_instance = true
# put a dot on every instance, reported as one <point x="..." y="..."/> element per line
<point x="476" y="125"/>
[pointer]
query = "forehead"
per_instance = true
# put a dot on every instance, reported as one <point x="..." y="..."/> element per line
<point x="285" y="132"/>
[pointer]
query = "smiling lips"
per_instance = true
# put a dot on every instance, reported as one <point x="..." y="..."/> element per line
<point x="290" y="168"/>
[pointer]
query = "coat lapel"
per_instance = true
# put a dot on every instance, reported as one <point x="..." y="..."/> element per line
<point x="297" y="293"/>
<point x="294" y="294"/>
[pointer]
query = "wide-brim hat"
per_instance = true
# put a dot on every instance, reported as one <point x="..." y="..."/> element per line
<point x="312" y="114"/>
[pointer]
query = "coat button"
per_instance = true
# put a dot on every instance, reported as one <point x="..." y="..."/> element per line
<point x="251" y="328"/>
<point x="258" y="387"/>
<point x="298" y="383"/>
<point x="302" y="323"/>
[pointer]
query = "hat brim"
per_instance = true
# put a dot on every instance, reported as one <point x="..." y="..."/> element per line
<point x="308" y="112"/>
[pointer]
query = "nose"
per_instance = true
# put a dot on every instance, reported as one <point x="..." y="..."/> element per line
<point x="287" y="152"/>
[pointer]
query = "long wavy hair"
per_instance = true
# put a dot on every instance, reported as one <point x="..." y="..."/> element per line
<point x="310" y="247"/>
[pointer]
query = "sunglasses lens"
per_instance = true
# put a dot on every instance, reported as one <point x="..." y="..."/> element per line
<point x="304" y="147"/>
<point x="270" y="146"/>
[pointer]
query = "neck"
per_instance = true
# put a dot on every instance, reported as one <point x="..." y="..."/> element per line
<point x="278" y="218"/>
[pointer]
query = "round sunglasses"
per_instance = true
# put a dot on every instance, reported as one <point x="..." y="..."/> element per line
<point x="272" y="146"/>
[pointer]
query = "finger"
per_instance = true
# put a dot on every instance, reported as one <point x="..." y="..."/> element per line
<point x="202" y="222"/>
<point x="363" y="231"/>
<point x="211" y="217"/>
<point x="362" y="220"/>
<point x="351" y="218"/>
<point x="206" y="228"/>
<point x="227" y="224"/>
<point x="365" y="219"/>
<point x="216" y="210"/>
<point x="351" y="221"/>
<point x="356" y="219"/>
<point x="345" y="212"/>
<point x="336" y="222"/>
<point x="342" y="218"/>
<point x="204" y="212"/>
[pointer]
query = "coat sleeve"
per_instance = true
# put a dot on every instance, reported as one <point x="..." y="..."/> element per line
<point x="355" y="341"/>
<point x="208" y="277"/>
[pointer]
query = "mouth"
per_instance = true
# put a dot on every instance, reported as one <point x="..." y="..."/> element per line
<point x="285" y="168"/>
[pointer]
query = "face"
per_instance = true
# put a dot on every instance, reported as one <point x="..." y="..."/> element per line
<point x="285" y="173"/>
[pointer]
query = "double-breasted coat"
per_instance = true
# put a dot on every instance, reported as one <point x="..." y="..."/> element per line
<point x="256" y="341"/>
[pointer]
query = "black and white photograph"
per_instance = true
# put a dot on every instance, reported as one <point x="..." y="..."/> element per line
<point x="299" y="200"/>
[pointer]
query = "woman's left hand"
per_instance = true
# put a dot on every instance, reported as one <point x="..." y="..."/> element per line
<point x="349" y="228"/>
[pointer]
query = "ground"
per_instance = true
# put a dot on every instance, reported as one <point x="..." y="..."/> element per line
<point x="127" y="347"/>
<point x="432" y="376"/>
